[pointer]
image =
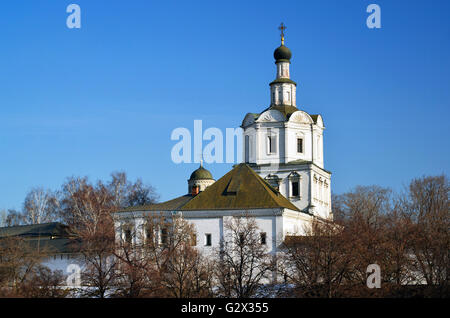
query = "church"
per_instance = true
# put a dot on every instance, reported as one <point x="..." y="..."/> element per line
<point x="282" y="182"/>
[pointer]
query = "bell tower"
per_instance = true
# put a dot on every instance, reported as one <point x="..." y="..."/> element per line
<point x="284" y="144"/>
<point x="283" y="89"/>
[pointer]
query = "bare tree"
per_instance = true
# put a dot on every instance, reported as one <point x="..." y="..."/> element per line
<point x="157" y="258"/>
<point x="127" y="193"/>
<point x="243" y="264"/>
<point x="40" y="206"/>
<point x="363" y="215"/>
<point x="397" y="261"/>
<point x="140" y="194"/>
<point x="134" y="264"/>
<point x="87" y="209"/>
<point x="44" y="283"/>
<point x="86" y="204"/>
<point x="99" y="265"/>
<point x="319" y="263"/>
<point x="14" y="218"/>
<point x="427" y="204"/>
<point x="18" y="261"/>
<point x="184" y="270"/>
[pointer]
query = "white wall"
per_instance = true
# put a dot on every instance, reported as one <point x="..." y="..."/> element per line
<point x="276" y="223"/>
<point x="272" y="122"/>
<point x="62" y="262"/>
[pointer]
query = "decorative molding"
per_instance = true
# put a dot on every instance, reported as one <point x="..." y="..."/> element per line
<point x="301" y="117"/>
<point x="271" y="115"/>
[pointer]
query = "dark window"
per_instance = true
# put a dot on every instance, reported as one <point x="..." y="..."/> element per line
<point x="128" y="237"/>
<point x="208" y="239"/>
<point x="247" y="149"/>
<point x="299" y="145"/>
<point x="163" y="236"/>
<point x="263" y="238"/>
<point x="272" y="144"/>
<point x="295" y="192"/>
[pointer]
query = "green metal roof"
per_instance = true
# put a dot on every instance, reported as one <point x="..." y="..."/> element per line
<point x="282" y="53"/>
<point x="241" y="189"/>
<point x="56" y="246"/>
<point x="171" y="205"/>
<point x="201" y="174"/>
<point x="286" y="110"/>
<point x="52" y="238"/>
<point x="283" y="80"/>
<point x="314" y="118"/>
<point x="35" y="230"/>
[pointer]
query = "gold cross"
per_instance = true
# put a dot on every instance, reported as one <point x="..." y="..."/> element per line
<point x="282" y="27"/>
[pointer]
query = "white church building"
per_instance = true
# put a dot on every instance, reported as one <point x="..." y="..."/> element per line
<point x="282" y="183"/>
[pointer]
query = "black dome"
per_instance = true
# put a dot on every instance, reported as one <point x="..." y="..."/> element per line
<point x="282" y="53"/>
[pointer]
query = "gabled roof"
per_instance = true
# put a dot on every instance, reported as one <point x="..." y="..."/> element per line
<point x="35" y="230"/>
<point x="241" y="188"/>
<point x="53" y="238"/>
<point x="56" y="246"/>
<point x="171" y="205"/>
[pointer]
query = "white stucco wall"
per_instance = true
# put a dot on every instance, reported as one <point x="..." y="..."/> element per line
<point x="276" y="223"/>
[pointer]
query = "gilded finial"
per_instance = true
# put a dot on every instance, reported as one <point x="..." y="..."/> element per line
<point x="282" y="27"/>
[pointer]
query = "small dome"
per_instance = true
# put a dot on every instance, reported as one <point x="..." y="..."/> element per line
<point x="201" y="174"/>
<point x="282" y="53"/>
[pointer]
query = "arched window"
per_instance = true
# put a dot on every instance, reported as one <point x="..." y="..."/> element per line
<point x="274" y="181"/>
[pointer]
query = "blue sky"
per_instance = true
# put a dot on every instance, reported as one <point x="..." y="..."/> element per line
<point x="106" y="97"/>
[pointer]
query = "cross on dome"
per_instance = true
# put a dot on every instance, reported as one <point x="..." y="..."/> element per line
<point x="282" y="27"/>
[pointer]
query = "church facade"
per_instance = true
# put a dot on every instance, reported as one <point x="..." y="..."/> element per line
<point x="282" y="182"/>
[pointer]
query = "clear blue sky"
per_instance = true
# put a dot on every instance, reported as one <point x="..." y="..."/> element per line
<point x="106" y="97"/>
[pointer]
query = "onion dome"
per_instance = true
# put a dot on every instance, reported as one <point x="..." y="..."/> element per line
<point x="282" y="53"/>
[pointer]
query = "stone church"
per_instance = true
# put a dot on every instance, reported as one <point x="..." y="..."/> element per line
<point x="282" y="183"/>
